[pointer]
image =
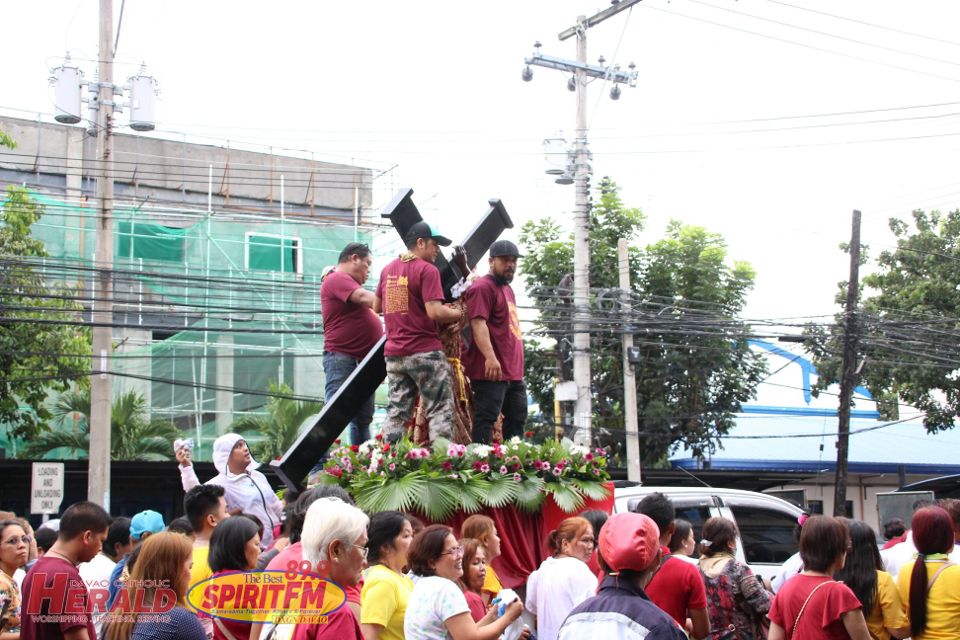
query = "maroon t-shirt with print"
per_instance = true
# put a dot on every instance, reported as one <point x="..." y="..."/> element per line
<point x="348" y="328"/>
<point x="53" y="601"/>
<point x="498" y="306"/>
<point x="404" y="289"/>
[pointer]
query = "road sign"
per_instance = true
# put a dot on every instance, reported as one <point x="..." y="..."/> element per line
<point x="46" y="487"/>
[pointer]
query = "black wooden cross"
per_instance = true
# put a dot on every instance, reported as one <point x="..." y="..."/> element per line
<point x="293" y="467"/>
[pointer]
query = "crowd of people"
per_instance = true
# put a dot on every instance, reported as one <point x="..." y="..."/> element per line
<point x="629" y="575"/>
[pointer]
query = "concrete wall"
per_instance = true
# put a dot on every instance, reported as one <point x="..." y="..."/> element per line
<point x="178" y="172"/>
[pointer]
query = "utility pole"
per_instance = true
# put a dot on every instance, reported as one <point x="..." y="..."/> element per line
<point x="101" y="386"/>
<point x="848" y="376"/>
<point x="583" y="410"/>
<point x="629" y="377"/>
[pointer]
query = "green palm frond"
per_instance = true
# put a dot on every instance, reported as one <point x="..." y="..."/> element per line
<point x="438" y="500"/>
<point x="531" y="495"/>
<point x="378" y="494"/>
<point x="501" y="492"/>
<point x="281" y="425"/>
<point x="566" y="497"/>
<point x="59" y="442"/>
<point x="133" y="436"/>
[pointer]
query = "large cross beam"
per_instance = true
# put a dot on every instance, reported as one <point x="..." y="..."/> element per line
<point x="303" y="454"/>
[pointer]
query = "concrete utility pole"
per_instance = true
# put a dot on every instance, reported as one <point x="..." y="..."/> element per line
<point x="629" y="377"/>
<point x="848" y="376"/>
<point x="101" y="385"/>
<point x="583" y="411"/>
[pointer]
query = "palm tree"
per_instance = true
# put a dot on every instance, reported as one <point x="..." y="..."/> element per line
<point x="133" y="435"/>
<point x="282" y="424"/>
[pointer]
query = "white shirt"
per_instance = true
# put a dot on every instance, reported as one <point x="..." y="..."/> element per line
<point x="553" y="590"/>
<point x="791" y="567"/>
<point x="900" y="554"/>
<point x="434" y="600"/>
<point x="96" y="575"/>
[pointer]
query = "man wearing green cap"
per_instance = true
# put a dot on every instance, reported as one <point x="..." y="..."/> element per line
<point x="410" y="297"/>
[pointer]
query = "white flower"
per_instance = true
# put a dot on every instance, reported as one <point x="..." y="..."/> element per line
<point x="578" y="450"/>
<point x="482" y="450"/>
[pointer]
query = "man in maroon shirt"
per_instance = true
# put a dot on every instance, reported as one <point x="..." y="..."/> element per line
<point x="677" y="587"/>
<point x="494" y="361"/>
<point x="54" y="597"/>
<point x="350" y="328"/>
<point x="411" y="299"/>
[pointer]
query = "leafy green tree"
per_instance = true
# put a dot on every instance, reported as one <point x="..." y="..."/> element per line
<point x="697" y="368"/>
<point x="280" y="426"/>
<point x="37" y="355"/>
<point x="133" y="435"/>
<point x="909" y="341"/>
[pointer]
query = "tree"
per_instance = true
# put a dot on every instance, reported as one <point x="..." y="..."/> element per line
<point x="133" y="435"/>
<point x="281" y="426"/>
<point x="697" y="368"/>
<point x="908" y="325"/>
<point x="37" y="354"/>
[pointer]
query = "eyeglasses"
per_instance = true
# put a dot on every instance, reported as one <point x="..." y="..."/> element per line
<point x="17" y="540"/>
<point x="364" y="549"/>
<point x="456" y="552"/>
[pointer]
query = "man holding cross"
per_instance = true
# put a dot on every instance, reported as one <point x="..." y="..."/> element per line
<point x="410" y="297"/>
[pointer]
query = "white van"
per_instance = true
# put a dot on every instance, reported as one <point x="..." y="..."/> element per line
<point x="766" y="523"/>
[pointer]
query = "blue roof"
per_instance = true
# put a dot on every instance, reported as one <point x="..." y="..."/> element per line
<point x="807" y="444"/>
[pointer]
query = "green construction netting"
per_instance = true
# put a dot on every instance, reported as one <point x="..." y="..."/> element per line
<point x="247" y="312"/>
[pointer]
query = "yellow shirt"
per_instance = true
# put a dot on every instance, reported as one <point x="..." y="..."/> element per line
<point x="201" y="566"/>
<point x="889" y="611"/>
<point x="943" y="600"/>
<point x="491" y="584"/>
<point x="383" y="600"/>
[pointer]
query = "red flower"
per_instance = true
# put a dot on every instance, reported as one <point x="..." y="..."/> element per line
<point x="379" y="437"/>
<point x="386" y="448"/>
<point x="447" y="466"/>
<point x="354" y="448"/>
<point x="337" y="441"/>
<point x="336" y="472"/>
<point x="528" y="434"/>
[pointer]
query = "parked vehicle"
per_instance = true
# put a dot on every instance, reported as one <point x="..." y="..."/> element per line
<point x="766" y="523"/>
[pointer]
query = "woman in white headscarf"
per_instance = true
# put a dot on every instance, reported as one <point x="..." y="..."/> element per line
<point x="246" y="490"/>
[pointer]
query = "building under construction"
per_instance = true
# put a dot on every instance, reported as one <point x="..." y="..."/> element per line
<point x="218" y="254"/>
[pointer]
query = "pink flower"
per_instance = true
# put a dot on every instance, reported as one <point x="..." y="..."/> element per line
<point x="596" y="472"/>
<point x="503" y="469"/>
<point x="393" y="466"/>
<point x="588" y="457"/>
<point x="485" y="468"/>
<point x="545" y="466"/>
<point x="447" y="466"/>
<point x="517" y="477"/>
<point x="557" y="471"/>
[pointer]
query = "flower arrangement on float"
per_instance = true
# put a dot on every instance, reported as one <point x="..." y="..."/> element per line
<point x="446" y="477"/>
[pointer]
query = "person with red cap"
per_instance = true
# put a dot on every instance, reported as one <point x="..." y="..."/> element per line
<point x="629" y="556"/>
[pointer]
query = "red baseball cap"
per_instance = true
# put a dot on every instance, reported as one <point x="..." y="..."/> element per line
<point x="629" y="541"/>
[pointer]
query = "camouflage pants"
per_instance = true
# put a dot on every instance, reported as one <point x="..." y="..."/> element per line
<point x="429" y="374"/>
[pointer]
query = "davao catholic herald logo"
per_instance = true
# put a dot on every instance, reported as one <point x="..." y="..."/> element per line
<point x="301" y="594"/>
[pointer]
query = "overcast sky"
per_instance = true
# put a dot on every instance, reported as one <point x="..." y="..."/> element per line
<point x="733" y="124"/>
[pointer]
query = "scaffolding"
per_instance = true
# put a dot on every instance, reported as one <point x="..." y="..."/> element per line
<point x="210" y="307"/>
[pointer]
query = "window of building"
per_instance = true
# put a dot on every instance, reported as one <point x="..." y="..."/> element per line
<point x="149" y="241"/>
<point x="267" y="252"/>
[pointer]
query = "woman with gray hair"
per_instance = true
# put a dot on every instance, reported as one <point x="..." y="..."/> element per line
<point x="335" y="536"/>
